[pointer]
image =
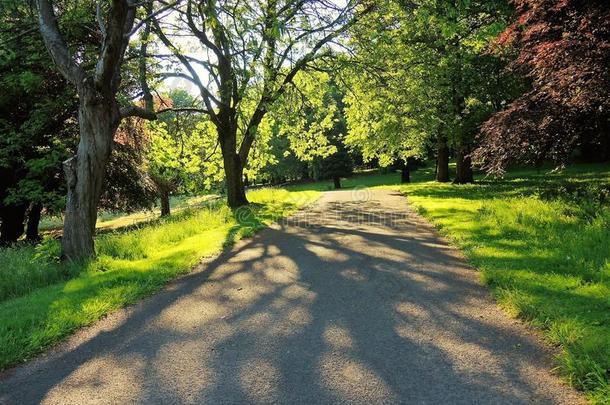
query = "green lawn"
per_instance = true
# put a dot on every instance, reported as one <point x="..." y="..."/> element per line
<point x="542" y="243"/>
<point x="38" y="309"/>
<point x="544" y="253"/>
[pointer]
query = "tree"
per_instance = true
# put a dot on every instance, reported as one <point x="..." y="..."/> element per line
<point x="336" y="166"/>
<point x="418" y="80"/>
<point x="40" y="128"/>
<point x="175" y="159"/>
<point x="97" y="82"/>
<point x="297" y="129"/>
<point x="563" y="47"/>
<point x="36" y="125"/>
<point x="128" y="186"/>
<point x="251" y="52"/>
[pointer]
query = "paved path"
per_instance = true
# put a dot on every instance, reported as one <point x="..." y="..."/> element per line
<point x="354" y="300"/>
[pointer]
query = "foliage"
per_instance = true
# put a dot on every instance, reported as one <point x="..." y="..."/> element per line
<point x="297" y="129"/>
<point x="563" y="46"/>
<point x="337" y="165"/>
<point x="420" y="72"/>
<point x="37" y="126"/>
<point x="176" y="158"/>
<point x="127" y="186"/>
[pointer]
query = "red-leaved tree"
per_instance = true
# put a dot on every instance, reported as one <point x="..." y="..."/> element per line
<point x="563" y="47"/>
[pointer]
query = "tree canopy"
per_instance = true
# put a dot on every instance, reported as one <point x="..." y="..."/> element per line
<point x="118" y="104"/>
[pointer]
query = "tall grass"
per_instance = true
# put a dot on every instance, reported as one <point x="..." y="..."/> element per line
<point x="129" y="265"/>
<point x="25" y="269"/>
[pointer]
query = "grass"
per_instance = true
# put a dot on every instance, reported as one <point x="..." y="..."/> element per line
<point x="541" y="240"/>
<point x="110" y="221"/>
<point x="545" y="253"/>
<point x="129" y="266"/>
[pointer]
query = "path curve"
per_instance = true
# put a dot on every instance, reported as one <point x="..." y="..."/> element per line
<point x="353" y="300"/>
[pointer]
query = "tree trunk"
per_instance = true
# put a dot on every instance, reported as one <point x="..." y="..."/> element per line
<point x="337" y="182"/>
<point x="233" y="166"/>
<point x="11" y="229"/>
<point x="165" y="207"/>
<point x="405" y="172"/>
<point x="31" y="232"/>
<point x="463" y="172"/>
<point x="236" y="192"/>
<point x="442" y="160"/>
<point x="99" y="118"/>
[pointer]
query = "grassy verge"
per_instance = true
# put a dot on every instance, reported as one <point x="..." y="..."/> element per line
<point x="542" y="243"/>
<point x="129" y="266"/>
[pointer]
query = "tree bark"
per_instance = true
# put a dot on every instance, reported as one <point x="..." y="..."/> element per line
<point x="236" y="192"/>
<point x="463" y="172"/>
<point x="165" y="206"/>
<point x="337" y="182"/>
<point x="31" y="233"/>
<point x="11" y="229"/>
<point x="99" y="118"/>
<point x="442" y="160"/>
<point x="405" y="172"/>
<point x="233" y="166"/>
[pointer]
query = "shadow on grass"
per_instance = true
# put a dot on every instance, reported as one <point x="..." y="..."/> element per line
<point x="124" y="273"/>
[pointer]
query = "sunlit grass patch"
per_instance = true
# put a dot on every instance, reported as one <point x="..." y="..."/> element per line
<point x="544" y="255"/>
<point x="129" y="266"/>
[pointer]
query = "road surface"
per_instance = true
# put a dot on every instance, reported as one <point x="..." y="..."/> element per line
<point x="353" y="300"/>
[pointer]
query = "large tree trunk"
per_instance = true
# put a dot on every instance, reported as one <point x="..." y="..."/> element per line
<point x="34" y="214"/>
<point x="463" y="172"/>
<point x="442" y="160"/>
<point x="234" y="168"/>
<point x="236" y="192"/>
<point x="11" y="229"/>
<point x="99" y="118"/>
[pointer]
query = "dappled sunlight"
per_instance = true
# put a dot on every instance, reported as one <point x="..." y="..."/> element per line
<point x="100" y="378"/>
<point x="326" y="312"/>
<point x="348" y="379"/>
<point x="338" y="337"/>
<point x="325" y="253"/>
<point x="174" y="318"/>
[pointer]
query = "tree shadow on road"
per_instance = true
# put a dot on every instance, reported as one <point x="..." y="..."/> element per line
<point x="308" y="312"/>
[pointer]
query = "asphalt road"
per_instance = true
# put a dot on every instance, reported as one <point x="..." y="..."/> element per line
<point x="354" y="300"/>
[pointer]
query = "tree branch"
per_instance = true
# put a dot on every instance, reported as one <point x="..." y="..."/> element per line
<point x="56" y="45"/>
<point x="135" y="111"/>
